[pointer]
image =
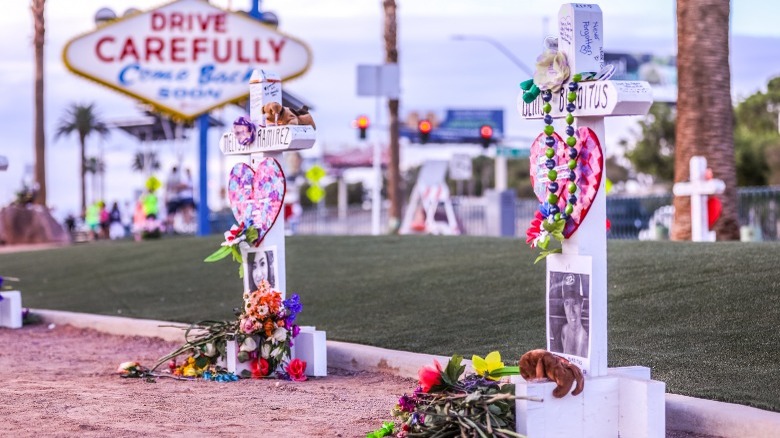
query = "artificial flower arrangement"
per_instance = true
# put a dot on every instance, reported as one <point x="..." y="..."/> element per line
<point x="235" y="237"/>
<point x="264" y="331"/>
<point x="448" y="403"/>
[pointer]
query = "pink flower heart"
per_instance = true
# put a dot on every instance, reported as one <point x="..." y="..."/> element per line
<point x="257" y="195"/>
<point x="590" y="164"/>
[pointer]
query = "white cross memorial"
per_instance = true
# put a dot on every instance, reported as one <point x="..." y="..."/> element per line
<point x="698" y="188"/>
<point x="617" y="401"/>
<point x="11" y="303"/>
<point x="272" y="141"/>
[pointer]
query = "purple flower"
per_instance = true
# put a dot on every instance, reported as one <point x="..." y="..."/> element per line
<point x="407" y="403"/>
<point x="295" y="330"/>
<point x="293" y="306"/>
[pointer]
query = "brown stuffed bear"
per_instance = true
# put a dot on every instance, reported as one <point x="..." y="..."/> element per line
<point x="276" y="114"/>
<point x="541" y="363"/>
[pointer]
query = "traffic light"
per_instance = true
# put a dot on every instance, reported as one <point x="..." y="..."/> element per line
<point x="362" y="124"/>
<point x="486" y="135"/>
<point x="424" y="127"/>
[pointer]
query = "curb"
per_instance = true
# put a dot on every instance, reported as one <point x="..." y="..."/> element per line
<point x="685" y="414"/>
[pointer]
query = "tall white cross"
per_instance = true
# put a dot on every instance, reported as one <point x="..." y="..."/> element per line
<point x="581" y="38"/>
<point x="271" y="141"/>
<point x="619" y="401"/>
<point x="699" y="188"/>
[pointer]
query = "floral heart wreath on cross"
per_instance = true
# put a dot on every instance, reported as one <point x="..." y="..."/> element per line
<point x="565" y="174"/>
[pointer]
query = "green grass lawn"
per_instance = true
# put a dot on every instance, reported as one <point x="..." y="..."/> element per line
<point x="703" y="316"/>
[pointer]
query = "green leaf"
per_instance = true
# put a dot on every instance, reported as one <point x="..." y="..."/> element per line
<point x="219" y="254"/>
<point x="544" y="254"/>
<point x="544" y="242"/>
<point x="505" y="371"/>
<point x="557" y="235"/>
<point x="454" y="368"/>
<point x="251" y="234"/>
<point x="236" y="254"/>
<point x="201" y="362"/>
<point x="241" y="270"/>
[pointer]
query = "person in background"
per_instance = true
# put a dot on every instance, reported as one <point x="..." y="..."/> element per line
<point x="104" y="220"/>
<point x="92" y="219"/>
<point x="116" y="230"/>
<point x="187" y="200"/>
<point x="172" y="202"/>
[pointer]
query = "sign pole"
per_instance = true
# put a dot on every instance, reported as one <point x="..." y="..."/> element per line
<point x="203" y="205"/>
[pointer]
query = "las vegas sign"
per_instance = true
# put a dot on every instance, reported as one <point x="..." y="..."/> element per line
<point x="186" y="57"/>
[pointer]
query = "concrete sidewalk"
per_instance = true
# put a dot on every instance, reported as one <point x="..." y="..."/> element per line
<point x="685" y="414"/>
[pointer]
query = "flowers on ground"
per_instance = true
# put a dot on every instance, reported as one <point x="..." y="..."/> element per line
<point x="449" y="402"/>
<point x="489" y="364"/>
<point x="263" y="332"/>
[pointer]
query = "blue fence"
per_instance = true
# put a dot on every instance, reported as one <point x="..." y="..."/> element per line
<point x="631" y="217"/>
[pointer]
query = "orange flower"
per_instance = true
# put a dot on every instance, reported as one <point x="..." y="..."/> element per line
<point x="268" y="327"/>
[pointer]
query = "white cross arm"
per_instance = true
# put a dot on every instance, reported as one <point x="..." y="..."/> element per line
<point x="710" y="187"/>
<point x="595" y="99"/>
<point x="270" y="139"/>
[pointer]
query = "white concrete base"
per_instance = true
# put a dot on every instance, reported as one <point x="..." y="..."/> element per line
<point x="231" y="361"/>
<point x="11" y="309"/>
<point x="310" y="347"/>
<point x="624" y="403"/>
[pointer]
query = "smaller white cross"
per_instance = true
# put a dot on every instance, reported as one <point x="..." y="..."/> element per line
<point x="698" y="188"/>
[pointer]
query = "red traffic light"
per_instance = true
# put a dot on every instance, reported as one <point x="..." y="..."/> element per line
<point x="425" y="126"/>
<point x="362" y="122"/>
<point x="486" y="132"/>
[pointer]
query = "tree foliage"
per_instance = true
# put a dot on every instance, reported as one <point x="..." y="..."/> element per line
<point x="653" y="152"/>
<point x="756" y="140"/>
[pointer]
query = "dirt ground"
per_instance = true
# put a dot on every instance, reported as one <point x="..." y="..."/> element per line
<point x="62" y="381"/>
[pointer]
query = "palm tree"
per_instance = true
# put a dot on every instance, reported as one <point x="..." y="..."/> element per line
<point x="94" y="167"/>
<point x="394" y="177"/>
<point x="83" y="120"/>
<point x="37" y="7"/>
<point x="146" y="162"/>
<point x="704" y="108"/>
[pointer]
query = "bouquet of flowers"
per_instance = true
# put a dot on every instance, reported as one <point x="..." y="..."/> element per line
<point x="447" y="403"/>
<point x="264" y="333"/>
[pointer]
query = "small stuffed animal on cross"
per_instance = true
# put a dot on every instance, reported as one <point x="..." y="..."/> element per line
<point x="541" y="363"/>
<point x="276" y="114"/>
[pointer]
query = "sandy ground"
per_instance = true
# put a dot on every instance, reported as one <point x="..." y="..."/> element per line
<point x="61" y="382"/>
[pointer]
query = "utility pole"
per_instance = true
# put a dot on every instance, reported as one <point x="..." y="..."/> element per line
<point x="394" y="177"/>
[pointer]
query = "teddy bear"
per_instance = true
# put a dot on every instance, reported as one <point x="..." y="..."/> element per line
<point x="276" y="114"/>
<point x="541" y="363"/>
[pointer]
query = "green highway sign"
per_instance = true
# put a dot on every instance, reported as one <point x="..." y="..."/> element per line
<point x="510" y="152"/>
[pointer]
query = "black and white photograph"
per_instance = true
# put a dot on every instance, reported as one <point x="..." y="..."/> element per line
<point x="259" y="264"/>
<point x="568" y="307"/>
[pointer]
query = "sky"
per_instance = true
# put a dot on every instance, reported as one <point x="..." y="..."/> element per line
<point x="437" y="73"/>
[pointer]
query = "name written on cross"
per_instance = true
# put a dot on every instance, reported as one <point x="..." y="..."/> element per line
<point x="595" y="98"/>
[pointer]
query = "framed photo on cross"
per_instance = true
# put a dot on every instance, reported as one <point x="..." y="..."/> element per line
<point x="569" y="308"/>
<point x="260" y="264"/>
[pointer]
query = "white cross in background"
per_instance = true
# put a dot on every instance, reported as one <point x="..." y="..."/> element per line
<point x="698" y="188"/>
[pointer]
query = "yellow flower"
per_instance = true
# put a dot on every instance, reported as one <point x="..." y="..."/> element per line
<point x="485" y="366"/>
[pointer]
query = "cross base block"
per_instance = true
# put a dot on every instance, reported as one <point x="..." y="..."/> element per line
<point x="625" y="402"/>
<point x="11" y="309"/>
<point x="308" y="346"/>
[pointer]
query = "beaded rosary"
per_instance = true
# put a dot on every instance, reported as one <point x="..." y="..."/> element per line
<point x="571" y="142"/>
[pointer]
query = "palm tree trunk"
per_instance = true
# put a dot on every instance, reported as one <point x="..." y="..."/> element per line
<point x="704" y="109"/>
<point x="394" y="177"/>
<point x="37" y="7"/>
<point x="82" y="143"/>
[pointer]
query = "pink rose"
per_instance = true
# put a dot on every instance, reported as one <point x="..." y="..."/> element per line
<point x="430" y="376"/>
